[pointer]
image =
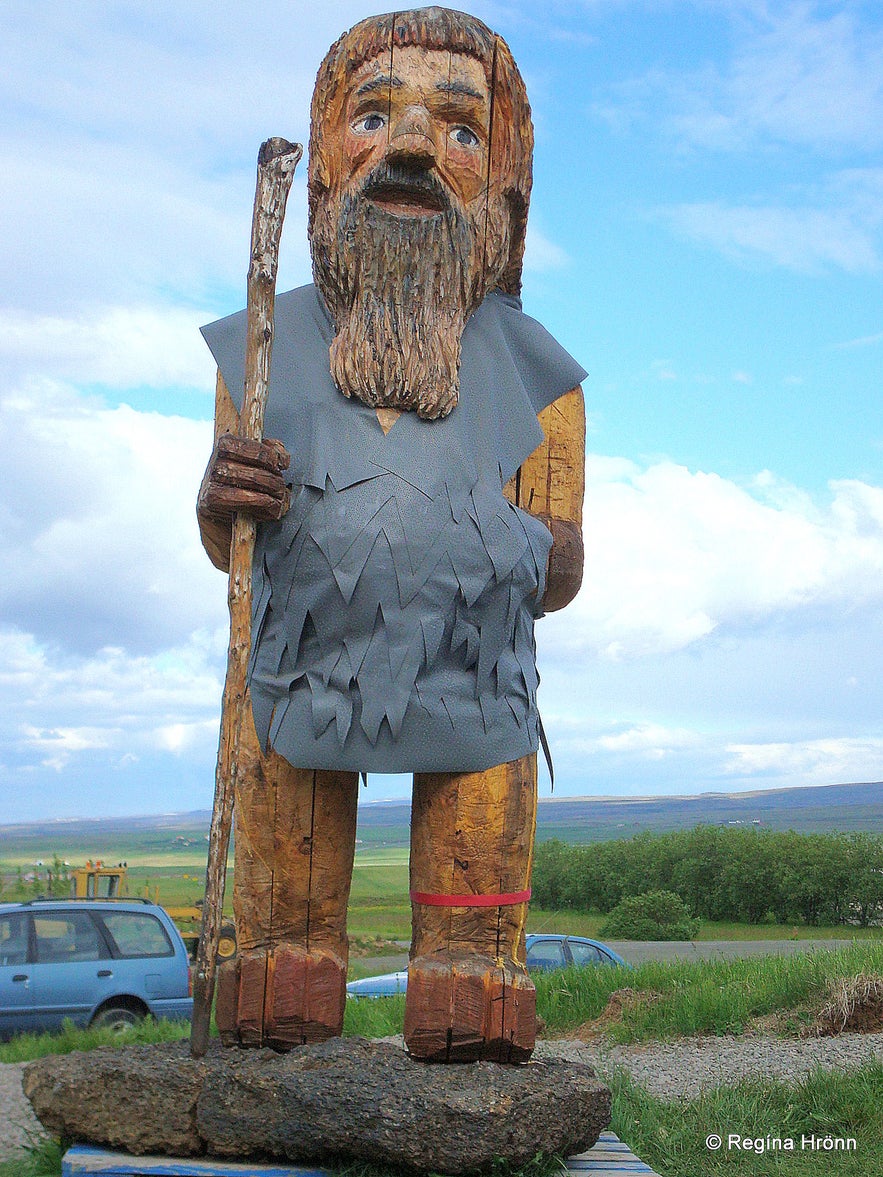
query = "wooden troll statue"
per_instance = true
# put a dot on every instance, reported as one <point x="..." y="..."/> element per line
<point x="419" y="505"/>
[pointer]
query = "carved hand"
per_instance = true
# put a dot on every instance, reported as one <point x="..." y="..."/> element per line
<point x="244" y="476"/>
<point x="564" y="573"/>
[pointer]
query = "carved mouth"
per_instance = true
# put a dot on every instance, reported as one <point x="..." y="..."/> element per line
<point x="406" y="202"/>
<point x="406" y="194"/>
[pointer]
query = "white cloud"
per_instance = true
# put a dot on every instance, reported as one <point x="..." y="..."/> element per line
<point x="803" y="239"/>
<point x="98" y="524"/>
<point x="109" y="224"/>
<point x="663" y="370"/>
<point x="180" y="73"/>
<point x="790" y="88"/>
<point x="126" y="175"/>
<point x="797" y="75"/>
<point x="541" y="253"/>
<point x="652" y="741"/>
<point x="864" y="341"/>
<point x="127" y="170"/>
<point x="62" y="741"/>
<point x="58" y="707"/>
<point x="821" y="761"/>
<point x="120" y="347"/>
<point x="184" y="737"/>
<point x="673" y="556"/>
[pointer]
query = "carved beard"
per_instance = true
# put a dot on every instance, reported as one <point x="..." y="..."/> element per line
<point x="400" y="288"/>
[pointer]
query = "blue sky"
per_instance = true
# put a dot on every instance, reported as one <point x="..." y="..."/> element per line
<point x="706" y="238"/>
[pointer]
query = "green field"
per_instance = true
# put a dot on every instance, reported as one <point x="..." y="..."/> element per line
<point x="379" y="905"/>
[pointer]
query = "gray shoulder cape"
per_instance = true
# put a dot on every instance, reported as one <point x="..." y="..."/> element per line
<point x="392" y="626"/>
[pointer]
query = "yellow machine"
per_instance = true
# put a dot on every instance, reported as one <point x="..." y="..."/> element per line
<point x="96" y="880"/>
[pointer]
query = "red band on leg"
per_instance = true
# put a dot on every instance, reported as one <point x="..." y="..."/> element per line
<point x="507" y="899"/>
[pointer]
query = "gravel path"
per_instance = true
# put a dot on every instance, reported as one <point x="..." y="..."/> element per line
<point x="670" y="1071"/>
<point x="683" y="1069"/>
<point x="18" y="1124"/>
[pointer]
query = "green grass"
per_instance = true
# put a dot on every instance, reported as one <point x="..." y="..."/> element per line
<point x="700" y="997"/>
<point x="670" y="1137"/>
<point x="374" y="1017"/>
<point x="41" y="1159"/>
<point x="588" y="923"/>
<point x="25" y="1047"/>
<point x="377" y="920"/>
<point x="358" y="969"/>
<point x="379" y="905"/>
<point x="729" y="931"/>
<point x="690" y="997"/>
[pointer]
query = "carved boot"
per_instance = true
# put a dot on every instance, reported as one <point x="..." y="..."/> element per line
<point x="295" y="841"/>
<point x="469" y="996"/>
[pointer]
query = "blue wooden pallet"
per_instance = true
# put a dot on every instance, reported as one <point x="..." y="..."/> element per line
<point x="608" y="1158"/>
<point x="84" y="1161"/>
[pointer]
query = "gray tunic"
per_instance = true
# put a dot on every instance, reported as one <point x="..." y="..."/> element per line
<point x="392" y="626"/>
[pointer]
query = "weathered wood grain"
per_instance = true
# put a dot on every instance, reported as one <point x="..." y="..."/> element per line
<point x="472" y="834"/>
<point x="277" y="160"/>
<point x="295" y="842"/>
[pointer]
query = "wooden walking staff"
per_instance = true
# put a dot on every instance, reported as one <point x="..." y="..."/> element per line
<point x="277" y="160"/>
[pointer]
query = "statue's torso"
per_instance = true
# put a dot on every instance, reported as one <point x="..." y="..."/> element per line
<point x="394" y="603"/>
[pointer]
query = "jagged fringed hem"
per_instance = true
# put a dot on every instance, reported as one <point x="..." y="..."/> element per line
<point x="394" y="604"/>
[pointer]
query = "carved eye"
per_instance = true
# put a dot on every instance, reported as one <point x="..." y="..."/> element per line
<point x="464" y="137"/>
<point x="369" y="123"/>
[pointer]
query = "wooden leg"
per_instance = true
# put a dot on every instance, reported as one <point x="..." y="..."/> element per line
<point x="295" y="841"/>
<point x="469" y="996"/>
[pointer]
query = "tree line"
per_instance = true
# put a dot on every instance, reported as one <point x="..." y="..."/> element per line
<point x="722" y="873"/>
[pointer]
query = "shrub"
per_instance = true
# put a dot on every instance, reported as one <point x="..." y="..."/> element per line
<point x="655" y="915"/>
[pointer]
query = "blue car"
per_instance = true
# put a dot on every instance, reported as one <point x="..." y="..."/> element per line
<point x="544" y="953"/>
<point x="97" y="963"/>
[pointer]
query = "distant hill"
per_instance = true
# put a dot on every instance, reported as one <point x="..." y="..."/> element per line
<point x="385" y="823"/>
<point x="810" y="809"/>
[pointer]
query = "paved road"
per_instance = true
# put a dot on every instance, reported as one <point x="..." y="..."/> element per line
<point x="637" y="951"/>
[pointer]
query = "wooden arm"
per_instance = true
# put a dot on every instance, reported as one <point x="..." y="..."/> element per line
<point x="551" y="484"/>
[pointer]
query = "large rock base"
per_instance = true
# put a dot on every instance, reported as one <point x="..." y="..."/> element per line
<point x="331" y="1102"/>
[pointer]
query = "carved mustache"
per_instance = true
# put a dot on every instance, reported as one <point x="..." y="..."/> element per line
<point x="394" y="180"/>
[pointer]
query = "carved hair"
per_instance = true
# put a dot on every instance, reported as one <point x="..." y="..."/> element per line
<point x="511" y="134"/>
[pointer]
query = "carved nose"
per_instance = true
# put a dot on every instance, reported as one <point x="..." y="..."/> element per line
<point x="411" y="137"/>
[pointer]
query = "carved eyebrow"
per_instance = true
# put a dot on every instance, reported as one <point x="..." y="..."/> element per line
<point x="382" y="82"/>
<point x="459" y="88"/>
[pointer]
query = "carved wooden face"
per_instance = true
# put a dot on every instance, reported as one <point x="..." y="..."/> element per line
<point x="407" y="234"/>
<point x="429" y="109"/>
